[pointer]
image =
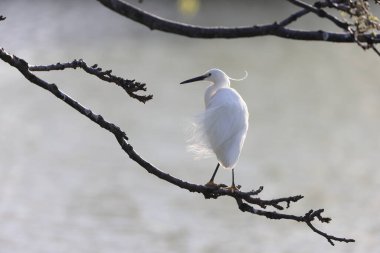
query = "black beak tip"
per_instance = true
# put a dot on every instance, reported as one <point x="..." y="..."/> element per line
<point x="198" y="78"/>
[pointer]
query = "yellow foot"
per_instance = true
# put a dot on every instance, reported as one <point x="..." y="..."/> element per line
<point x="211" y="184"/>
<point x="233" y="188"/>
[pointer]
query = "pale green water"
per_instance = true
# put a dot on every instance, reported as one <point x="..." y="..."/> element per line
<point x="66" y="186"/>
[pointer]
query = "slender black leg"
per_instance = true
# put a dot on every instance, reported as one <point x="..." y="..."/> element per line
<point x="214" y="174"/>
<point x="233" y="179"/>
<point x="211" y="182"/>
<point x="233" y="186"/>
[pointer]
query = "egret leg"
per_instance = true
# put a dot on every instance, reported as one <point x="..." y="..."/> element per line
<point x="233" y="186"/>
<point x="233" y="179"/>
<point x="211" y="182"/>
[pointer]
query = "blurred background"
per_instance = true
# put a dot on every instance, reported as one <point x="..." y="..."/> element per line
<point x="66" y="185"/>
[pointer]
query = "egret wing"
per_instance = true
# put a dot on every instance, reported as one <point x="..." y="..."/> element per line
<point x="222" y="128"/>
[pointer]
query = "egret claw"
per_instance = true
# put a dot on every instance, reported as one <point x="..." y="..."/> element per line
<point x="233" y="188"/>
<point x="211" y="184"/>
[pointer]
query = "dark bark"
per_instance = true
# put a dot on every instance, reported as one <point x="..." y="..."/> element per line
<point x="275" y="29"/>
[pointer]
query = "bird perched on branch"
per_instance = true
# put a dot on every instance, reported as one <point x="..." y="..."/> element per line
<point x="221" y="129"/>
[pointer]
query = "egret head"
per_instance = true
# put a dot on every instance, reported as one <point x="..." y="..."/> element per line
<point x="212" y="75"/>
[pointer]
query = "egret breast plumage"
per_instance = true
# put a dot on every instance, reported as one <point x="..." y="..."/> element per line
<point x="221" y="129"/>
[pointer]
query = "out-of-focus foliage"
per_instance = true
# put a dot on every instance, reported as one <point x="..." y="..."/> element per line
<point x="188" y="7"/>
<point x="359" y="14"/>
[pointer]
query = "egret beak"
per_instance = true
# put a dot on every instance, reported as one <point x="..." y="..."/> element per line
<point x="198" y="78"/>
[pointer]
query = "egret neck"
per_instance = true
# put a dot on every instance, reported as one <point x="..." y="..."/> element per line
<point x="220" y="81"/>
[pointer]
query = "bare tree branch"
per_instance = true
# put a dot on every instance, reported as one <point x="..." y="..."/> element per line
<point x="294" y="17"/>
<point x="23" y="67"/>
<point x="364" y="39"/>
<point x="365" y="20"/>
<point x="130" y="86"/>
<point x="245" y="200"/>
<point x="321" y="13"/>
<point x="276" y="29"/>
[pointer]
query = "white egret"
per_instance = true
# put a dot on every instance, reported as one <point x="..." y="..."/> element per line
<point x="221" y="129"/>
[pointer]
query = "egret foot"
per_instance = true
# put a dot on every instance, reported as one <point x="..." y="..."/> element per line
<point x="233" y="188"/>
<point x="212" y="184"/>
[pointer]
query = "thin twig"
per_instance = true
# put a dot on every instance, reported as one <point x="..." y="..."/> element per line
<point x="130" y="86"/>
<point x="321" y="13"/>
<point x="376" y="50"/>
<point x="294" y="17"/>
<point x="23" y="67"/>
<point x="307" y="218"/>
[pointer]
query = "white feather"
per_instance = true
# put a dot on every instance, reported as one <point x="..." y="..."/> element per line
<point x="221" y="128"/>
